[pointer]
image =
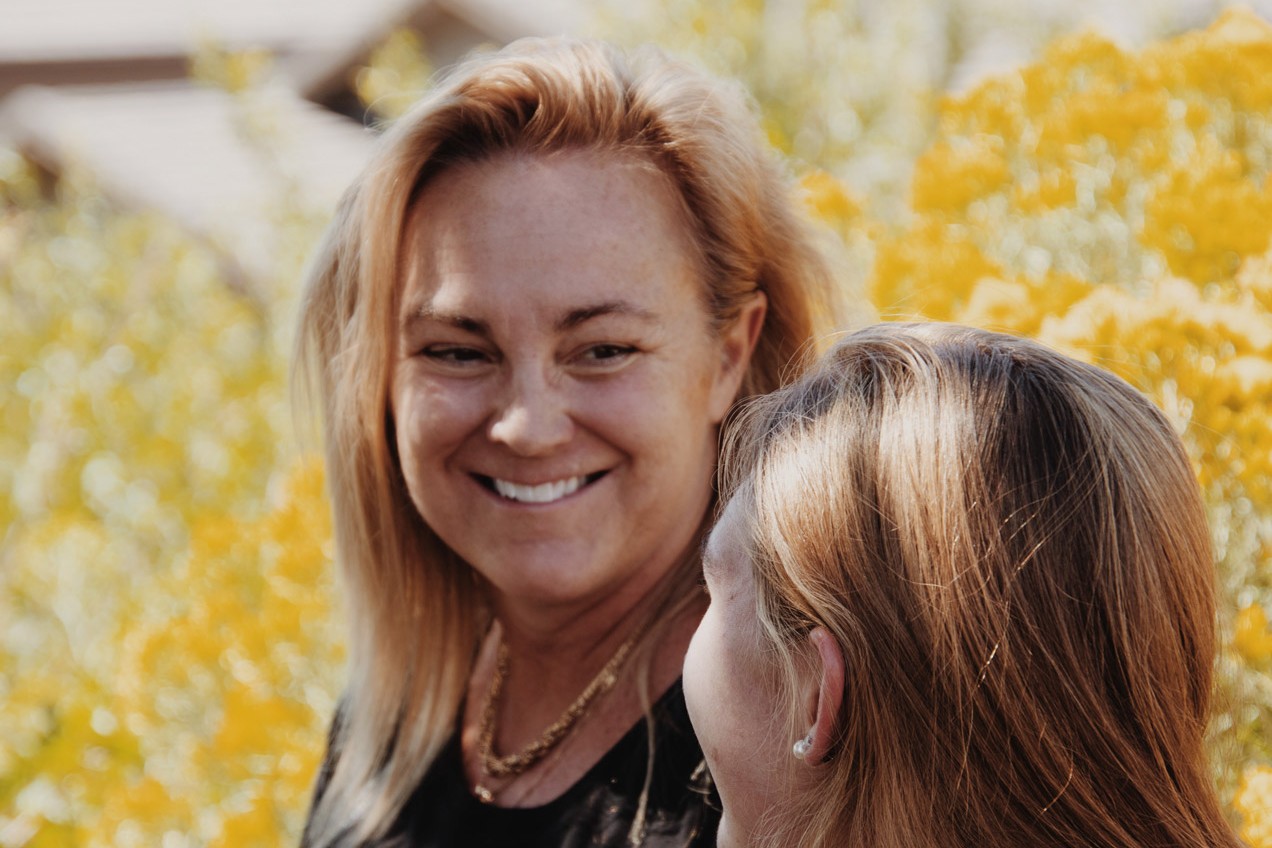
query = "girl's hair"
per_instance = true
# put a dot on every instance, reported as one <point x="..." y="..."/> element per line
<point x="416" y="611"/>
<point x="1009" y="546"/>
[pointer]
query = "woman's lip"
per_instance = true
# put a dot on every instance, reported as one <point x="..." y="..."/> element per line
<point x="538" y="493"/>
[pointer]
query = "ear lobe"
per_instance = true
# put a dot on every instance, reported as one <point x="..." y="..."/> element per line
<point x="824" y="694"/>
<point x="737" y="344"/>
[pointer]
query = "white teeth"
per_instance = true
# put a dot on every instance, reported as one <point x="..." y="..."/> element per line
<point x="541" y="494"/>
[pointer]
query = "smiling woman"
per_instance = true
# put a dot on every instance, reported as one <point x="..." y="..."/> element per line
<point x="535" y="309"/>
<point x="559" y="385"/>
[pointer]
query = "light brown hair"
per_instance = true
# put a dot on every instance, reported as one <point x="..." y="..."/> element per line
<point x="1010" y="548"/>
<point x="416" y="612"/>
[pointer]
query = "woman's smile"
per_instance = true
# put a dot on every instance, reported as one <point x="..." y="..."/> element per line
<point x="538" y="493"/>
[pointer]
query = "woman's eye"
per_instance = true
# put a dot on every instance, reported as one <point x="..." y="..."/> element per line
<point x="608" y="353"/>
<point x="454" y="354"/>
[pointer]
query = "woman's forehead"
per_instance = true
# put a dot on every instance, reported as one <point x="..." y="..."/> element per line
<point x="580" y="234"/>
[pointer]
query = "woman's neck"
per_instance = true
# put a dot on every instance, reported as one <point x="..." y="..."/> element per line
<point x="559" y="642"/>
<point x="548" y="669"/>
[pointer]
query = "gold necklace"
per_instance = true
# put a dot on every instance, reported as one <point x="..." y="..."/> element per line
<point x="514" y="764"/>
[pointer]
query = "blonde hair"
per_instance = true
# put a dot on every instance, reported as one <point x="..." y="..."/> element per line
<point x="416" y="612"/>
<point x="1010" y="548"/>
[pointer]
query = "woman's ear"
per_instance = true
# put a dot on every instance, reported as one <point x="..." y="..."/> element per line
<point x="823" y="695"/>
<point x="737" y="344"/>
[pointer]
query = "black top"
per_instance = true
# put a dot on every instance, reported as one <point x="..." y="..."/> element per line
<point x="681" y="811"/>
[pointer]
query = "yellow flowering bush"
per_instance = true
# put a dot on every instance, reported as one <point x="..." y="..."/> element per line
<point x="169" y="650"/>
<point x="167" y="658"/>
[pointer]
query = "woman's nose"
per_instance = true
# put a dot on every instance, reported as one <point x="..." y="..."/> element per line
<point x="534" y="418"/>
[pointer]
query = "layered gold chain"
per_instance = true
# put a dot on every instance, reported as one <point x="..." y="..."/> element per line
<point x="516" y="763"/>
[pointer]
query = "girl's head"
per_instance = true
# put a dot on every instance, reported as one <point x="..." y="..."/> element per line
<point x="981" y="584"/>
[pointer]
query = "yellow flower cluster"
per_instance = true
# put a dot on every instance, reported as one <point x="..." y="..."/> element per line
<point x="1254" y="799"/>
<point x="232" y="737"/>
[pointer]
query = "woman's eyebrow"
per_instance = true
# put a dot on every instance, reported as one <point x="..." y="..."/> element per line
<point x="458" y="321"/>
<point x="570" y="320"/>
<point x="575" y="317"/>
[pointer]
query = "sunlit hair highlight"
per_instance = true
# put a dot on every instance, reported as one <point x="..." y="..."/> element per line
<point x="416" y="611"/>
<point x="1010" y="548"/>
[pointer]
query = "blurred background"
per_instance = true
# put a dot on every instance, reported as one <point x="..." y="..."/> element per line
<point x="170" y="637"/>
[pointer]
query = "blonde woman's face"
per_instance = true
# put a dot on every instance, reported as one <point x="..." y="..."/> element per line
<point x="732" y="693"/>
<point x="557" y="387"/>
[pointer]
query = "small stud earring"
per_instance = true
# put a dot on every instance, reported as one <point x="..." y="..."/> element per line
<point x="801" y="748"/>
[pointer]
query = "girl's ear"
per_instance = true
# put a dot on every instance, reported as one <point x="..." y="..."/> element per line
<point x="738" y="343"/>
<point x="823" y="695"/>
